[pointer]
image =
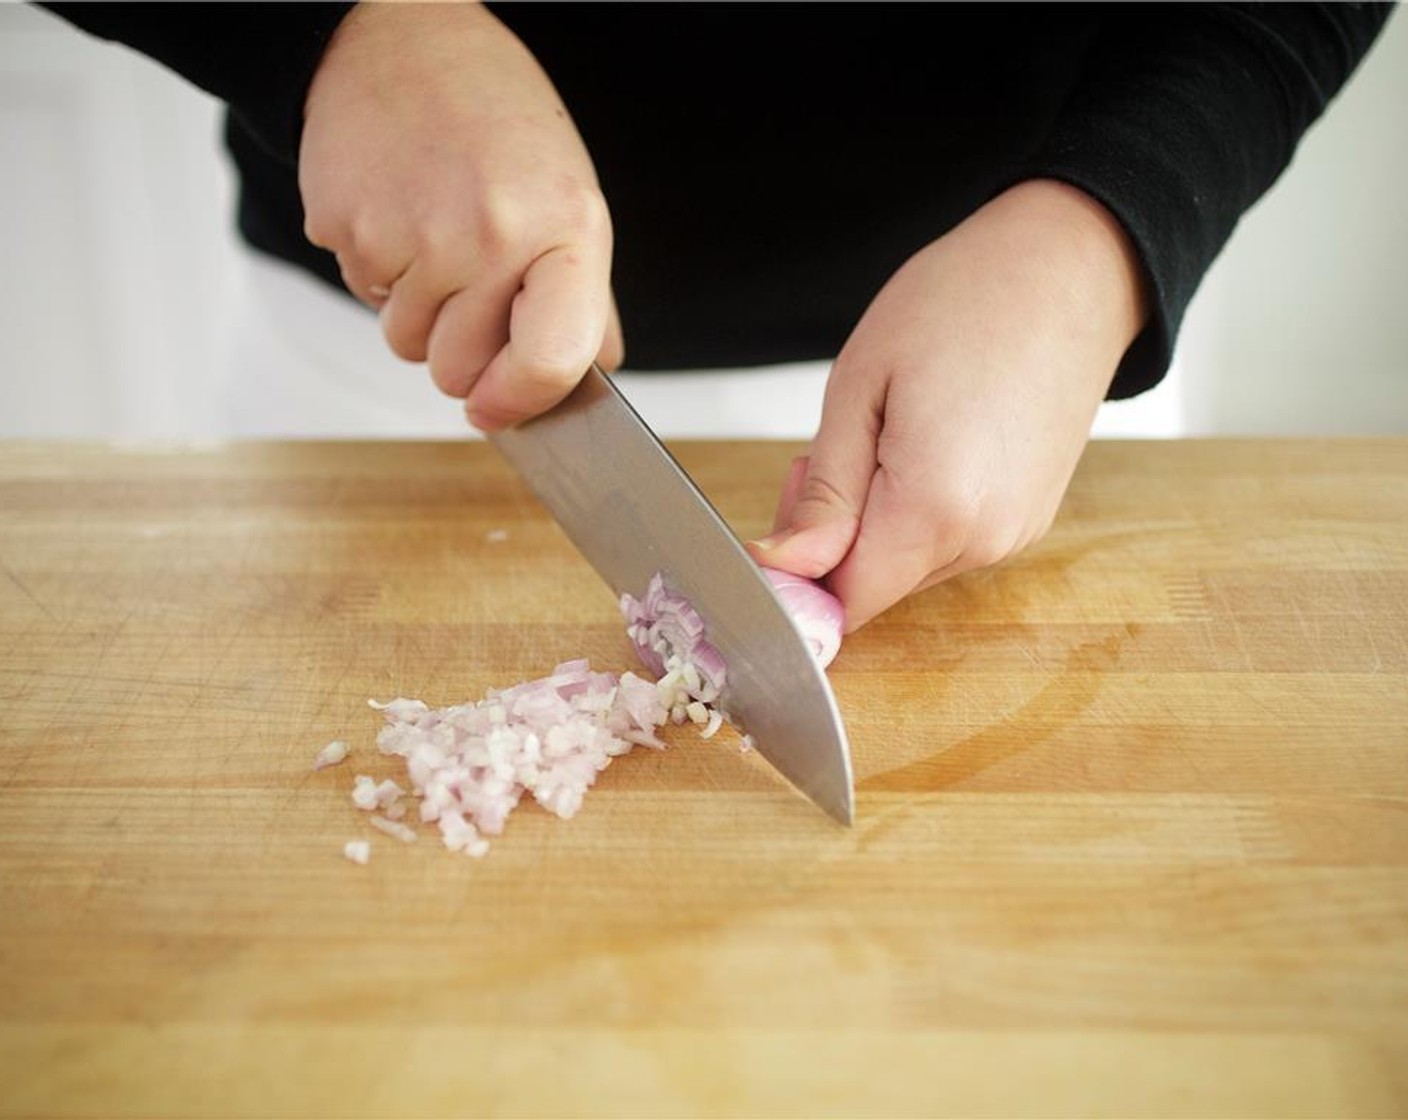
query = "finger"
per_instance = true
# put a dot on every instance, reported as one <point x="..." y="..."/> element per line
<point x="825" y="515"/>
<point x="613" y="347"/>
<point x="415" y="301"/>
<point x="791" y="491"/>
<point x="900" y="545"/>
<point x="470" y="327"/>
<point x="557" y="328"/>
<point x="369" y="284"/>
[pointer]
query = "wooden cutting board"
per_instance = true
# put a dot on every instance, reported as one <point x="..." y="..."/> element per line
<point x="1132" y="834"/>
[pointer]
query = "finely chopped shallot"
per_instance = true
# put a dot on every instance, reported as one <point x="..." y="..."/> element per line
<point x="470" y="764"/>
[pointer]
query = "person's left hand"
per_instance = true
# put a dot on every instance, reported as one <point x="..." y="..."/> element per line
<point x="957" y="411"/>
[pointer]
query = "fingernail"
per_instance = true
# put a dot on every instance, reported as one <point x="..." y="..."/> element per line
<point x="479" y="420"/>
<point x="772" y="540"/>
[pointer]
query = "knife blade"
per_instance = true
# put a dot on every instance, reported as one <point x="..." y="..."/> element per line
<point x="632" y="511"/>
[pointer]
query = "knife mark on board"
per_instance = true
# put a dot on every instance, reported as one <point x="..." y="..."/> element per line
<point x="1061" y="700"/>
<point x="24" y="588"/>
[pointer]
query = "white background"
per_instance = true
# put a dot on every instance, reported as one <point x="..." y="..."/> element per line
<point x="128" y="309"/>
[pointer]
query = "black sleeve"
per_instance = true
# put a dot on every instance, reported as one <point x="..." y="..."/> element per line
<point x="1185" y="116"/>
<point x="257" y="57"/>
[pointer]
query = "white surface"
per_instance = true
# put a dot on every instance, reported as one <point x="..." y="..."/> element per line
<point x="300" y="359"/>
<point x="1302" y="325"/>
<point x="128" y="308"/>
<point x="114" y="266"/>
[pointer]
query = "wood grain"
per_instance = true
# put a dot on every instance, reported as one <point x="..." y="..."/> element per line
<point x="1132" y="828"/>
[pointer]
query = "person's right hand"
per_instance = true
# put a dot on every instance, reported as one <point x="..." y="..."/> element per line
<point x="442" y="169"/>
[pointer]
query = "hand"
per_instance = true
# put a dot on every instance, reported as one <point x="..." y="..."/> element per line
<point x="440" y="166"/>
<point x="957" y="410"/>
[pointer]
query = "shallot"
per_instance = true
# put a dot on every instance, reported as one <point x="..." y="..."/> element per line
<point x="403" y="832"/>
<point x="364" y="793"/>
<point x="358" y="851"/>
<point x="330" y="755"/>
<point x="469" y="765"/>
<point x="668" y="634"/>
<point x="819" y="615"/>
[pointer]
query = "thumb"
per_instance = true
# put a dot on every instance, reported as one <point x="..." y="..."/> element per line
<point x="613" y="346"/>
<point x="822" y="500"/>
<point x="791" y="491"/>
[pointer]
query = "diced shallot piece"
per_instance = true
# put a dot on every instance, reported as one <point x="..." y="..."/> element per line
<point x="364" y="793"/>
<point x="330" y="755"/>
<point x="358" y="851"/>
<point x="387" y="793"/>
<point x="405" y="833"/>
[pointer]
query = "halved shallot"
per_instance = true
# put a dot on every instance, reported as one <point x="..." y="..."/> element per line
<point x="819" y="615"/>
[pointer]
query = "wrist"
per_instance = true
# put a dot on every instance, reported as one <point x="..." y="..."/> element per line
<point x="375" y="37"/>
<point x="1089" y="244"/>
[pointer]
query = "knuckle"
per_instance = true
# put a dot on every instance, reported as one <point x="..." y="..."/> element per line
<point x="506" y="226"/>
<point x="450" y="378"/>
<point x="345" y="271"/>
<point x="500" y="225"/>
<point x="612" y="354"/>
<point x="950" y="513"/>
<point x="406" y="340"/>
<point x="350" y="271"/>
<point x="994" y="543"/>
<point x="367" y="242"/>
<point x="319" y="229"/>
<point x="953" y="507"/>
<point x="820" y="496"/>
<point x="586" y="213"/>
<point x="985" y="550"/>
<point x="554" y="363"/>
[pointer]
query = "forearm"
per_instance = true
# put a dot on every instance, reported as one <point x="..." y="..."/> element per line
<point x="1078" y="238"/>
<point x="1186" y="115"/>
<point x="257" y="57"/>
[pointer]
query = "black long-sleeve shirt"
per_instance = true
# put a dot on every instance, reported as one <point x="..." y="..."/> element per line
<point x="768" y="167"/>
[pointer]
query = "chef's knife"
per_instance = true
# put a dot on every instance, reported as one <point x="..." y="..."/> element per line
<point x="632" y="511"/>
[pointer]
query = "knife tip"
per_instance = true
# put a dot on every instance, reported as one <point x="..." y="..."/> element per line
<point x="839" y="806"/>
